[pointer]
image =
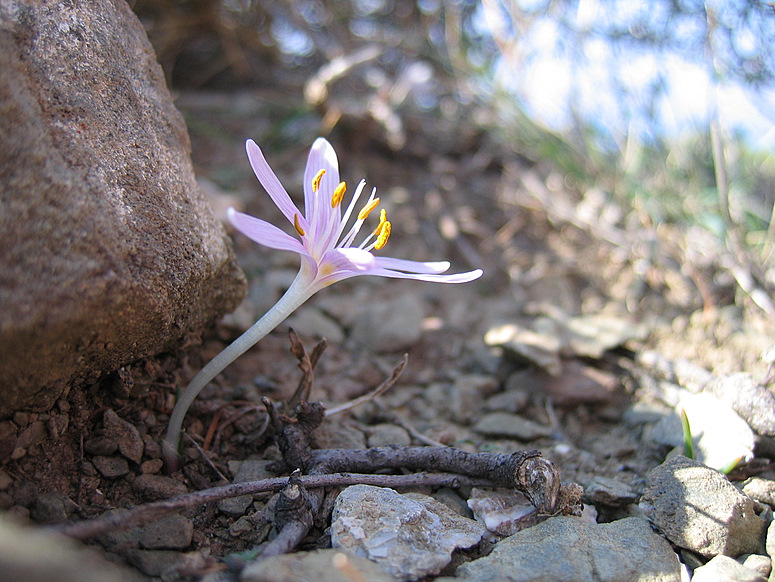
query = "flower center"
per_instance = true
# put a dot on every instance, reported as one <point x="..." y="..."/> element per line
<point x="378" y="237"/>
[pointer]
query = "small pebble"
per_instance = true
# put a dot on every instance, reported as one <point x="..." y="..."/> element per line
<point x="31" y="435"/>
<point x="53" y="507"/>
<point x="130" y="443"/>
<point x="111" y="467"/>
<point x="760" y="489"/>
<point x="100" y="445"/>
<point x="511" y="425"/>
<point x="151" y="466"/>
<point x="173" y="532"/>
<point x="5" y="480"/>
<point x="388" y="434"/>
<point x="158" y="486"/>
<point x="605" y="491"/>
<point x="6" y="501"/>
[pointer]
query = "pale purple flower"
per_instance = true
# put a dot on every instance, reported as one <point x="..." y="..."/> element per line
<point x="326" y="251"/>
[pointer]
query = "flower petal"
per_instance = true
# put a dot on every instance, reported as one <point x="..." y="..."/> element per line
<point x="264" y="233"/>
<point x="322" y="219"/>
<point x="411" y="266"/>
<point x="340" y="264"/>
<point x="453" y="278"/>
<point x="270" y="182"/>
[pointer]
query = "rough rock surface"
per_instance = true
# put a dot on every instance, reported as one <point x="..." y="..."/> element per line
<point x="567" y="548"/>
<point x="108" y="252"/>
<point x="725" y="569"/>
<point x="750" y="400"/>
<point x="697" y="508"/>
<point x="410" y="535"/>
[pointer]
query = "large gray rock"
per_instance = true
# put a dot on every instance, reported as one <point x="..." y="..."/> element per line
<point x="108" y="252"/>
<point x="569" y="549"/>
<point x="697" y="508"/>
<point x="410" y="536"/>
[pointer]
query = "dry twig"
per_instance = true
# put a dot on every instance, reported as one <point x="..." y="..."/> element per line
<point x="144" y="514"/>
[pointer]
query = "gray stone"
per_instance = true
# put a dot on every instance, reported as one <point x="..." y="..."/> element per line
<point x="697" y="508"/>
<point x="173" y="532"/>
<point x="334" y="435"/>
<point x="158" y="486"/>
<point x="111" y="467"/>
<point x="691" y="376"/>
<point x="389" y="326"/>
<point x="645" y="412"/>
<point x="388" y="434"/>
<point x="503" y="513"/>
<point x="5" y="480"/>
<point x="593" y="334"/>
<point x="750" y="400"/>
<point x="465" y="397"/>
<point x="130" y="443"/>
<point x="410" y="535"/>
<point x="311" y="322"/>
<point x="100" y="445"/>
<point x="541" y="349"/>
<point x="725" y="569"/>
<point x="569" y="549"/>
<point x="760" y="489"/>
<point x="108" y="251"/>
<point x="757" y="562"/>
<point x="318" y="565"/>
<point x="514" y="426"/>
<point x="510" y="400"/>
<point x="248" y="470"/>
<point x="53" y="507"/>
<point x="770" y="540"/>
<point x="605" y="491"/>
<point x="32" y="435"/>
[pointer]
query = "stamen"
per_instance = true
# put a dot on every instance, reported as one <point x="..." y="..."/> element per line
<point x="382" y="220"/>
<point x="366" y="210"/>
<point x="383" y="236"/>
<point x="297" y="226"/>
<point x="336" y="199"/>
<point x="316" y="180"/>
<point x="348" y="239"/>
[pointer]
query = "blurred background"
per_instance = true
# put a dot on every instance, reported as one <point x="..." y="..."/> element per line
<point x="591" y="150"/>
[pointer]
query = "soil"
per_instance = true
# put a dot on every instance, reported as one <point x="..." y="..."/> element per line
<point x="454" y="192"/>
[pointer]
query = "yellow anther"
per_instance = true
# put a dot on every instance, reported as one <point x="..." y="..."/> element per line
<point x="384" y="235"/>
<point x="382" y="221"/>
<point x="316" y="180"/>
<point x="366" y="210"/>
<point x="297" y="226"/>
<point x="336" y="199"/>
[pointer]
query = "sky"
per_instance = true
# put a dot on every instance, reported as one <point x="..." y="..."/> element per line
<point x="536" y="67"/>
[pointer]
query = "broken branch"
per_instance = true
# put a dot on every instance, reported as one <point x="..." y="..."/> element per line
<point x="144" y="514"/>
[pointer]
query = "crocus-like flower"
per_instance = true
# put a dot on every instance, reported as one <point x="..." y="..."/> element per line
<point x="327" y="255"/>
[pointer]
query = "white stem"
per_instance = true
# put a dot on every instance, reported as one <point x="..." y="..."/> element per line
<point x="299" y="291"/>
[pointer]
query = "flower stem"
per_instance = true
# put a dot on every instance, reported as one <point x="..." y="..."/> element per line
<point x="299" y="291"/>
